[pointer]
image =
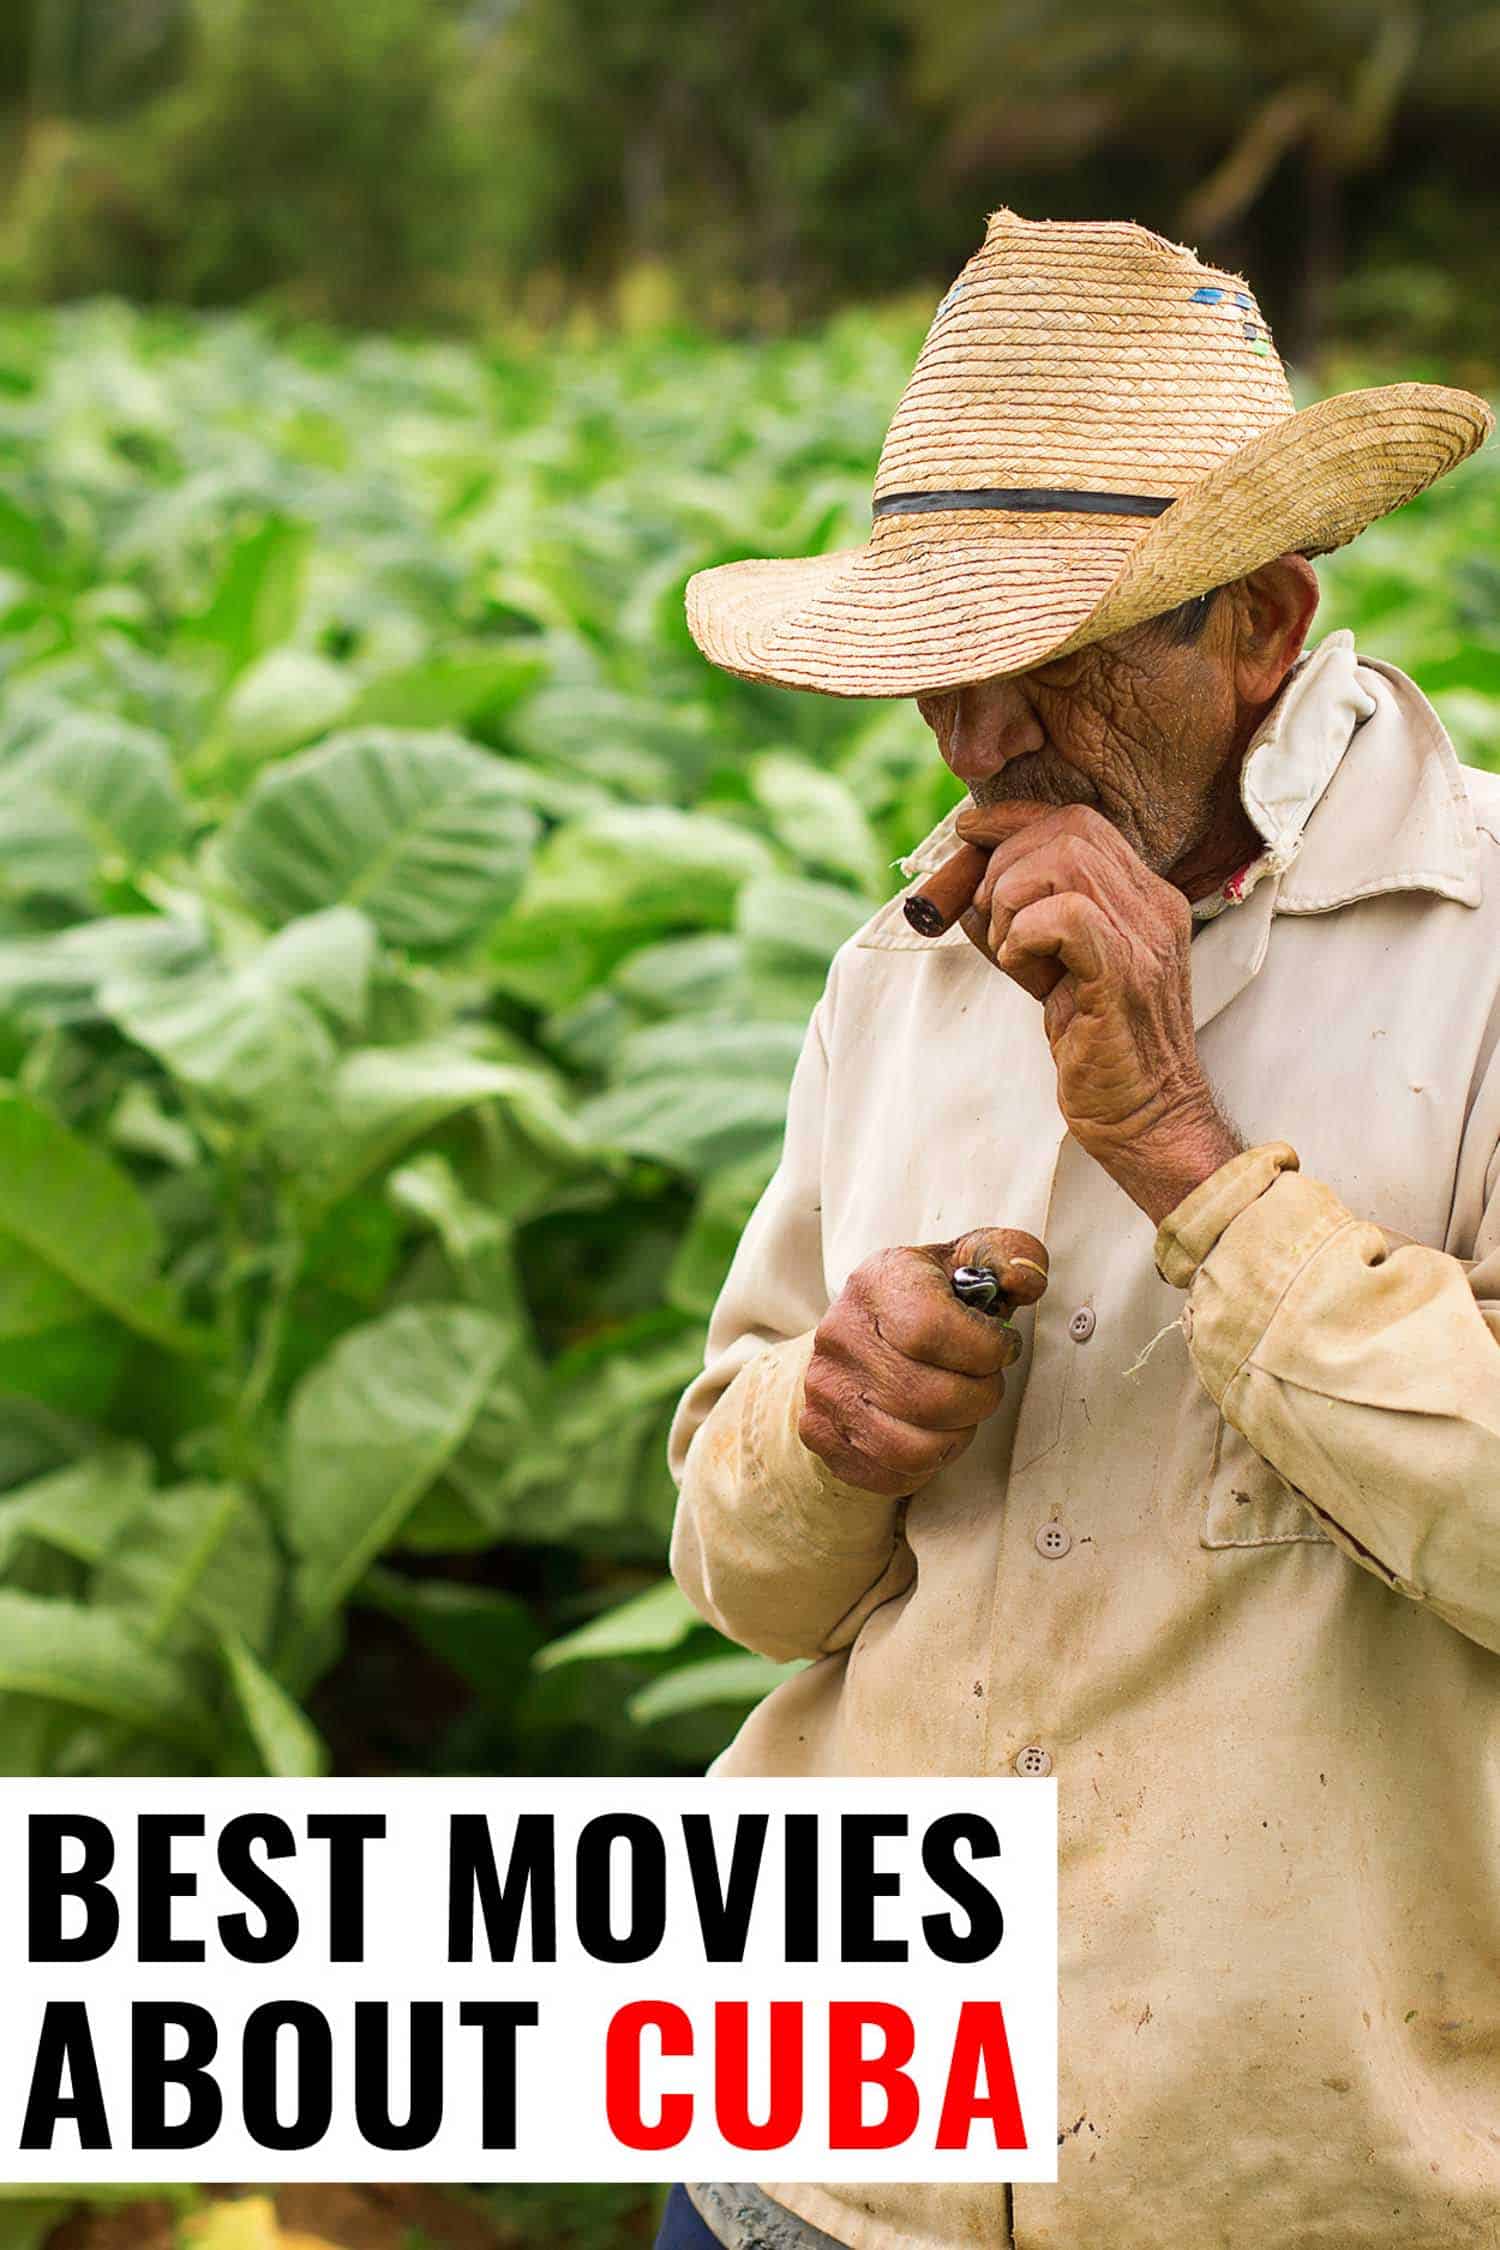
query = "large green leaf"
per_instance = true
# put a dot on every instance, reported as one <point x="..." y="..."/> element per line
<point x="256" y="1030"/>
<point x="196" y="1559"/>
<point x="421" y="831"/>
<point x="380" y="1099"/>
<point x="592" y="1462"/>
<point x="91" y="801"/>
<point x="65" y="1205"/>
<point x="81" y="1509"/>
<point x="682" y="975"/>
<point x="789" y="932"/>
<point x="819" y="819"/>
<point x="698" y="1093"/>
<point x="646" y="747"/>
<point x="603" y="885"/>
<point x="86" y="1658"/>
<point x="372" y="1427"/>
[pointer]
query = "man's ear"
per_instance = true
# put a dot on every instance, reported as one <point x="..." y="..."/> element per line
<point x="1275" y="610"/>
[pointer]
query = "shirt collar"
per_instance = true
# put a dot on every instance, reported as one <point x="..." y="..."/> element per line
<point x="1395" y="816"/>
<point x="1293" y="755"/>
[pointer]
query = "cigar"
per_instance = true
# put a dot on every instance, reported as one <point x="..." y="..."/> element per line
<point x="948" y="890"/>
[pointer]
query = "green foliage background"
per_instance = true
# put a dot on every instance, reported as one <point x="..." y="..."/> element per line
<point x="405" y="941"/>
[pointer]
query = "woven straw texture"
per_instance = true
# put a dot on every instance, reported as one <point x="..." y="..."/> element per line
<point x="1077" y="356"/>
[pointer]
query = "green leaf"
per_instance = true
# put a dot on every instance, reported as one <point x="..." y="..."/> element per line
<point x="648" y="747"/>
<point x="256" y="602"/>
<point x="684" y="975"/>
<point x="591" y="1462"/>
<point x="448" y="690"/>
<point x="819" y="819"/>
<point x="91" y="802"/>
<point x="24" y="544"/>
<point x="141" y="1125"/>
<point x="285" y="698"/>
<point x="290" y="1746"/>
<point x="422" y="832"/>
<point x="705" y="1251"/>
<point x="716" y="1679"/>
<point x="58" y="976"/>
<point x="74" y="1367"/>
<point x="372" y="1427"/>
<point x="660" y="1618"/>
<point x="600" y="886"/>
<point x="698" y="1094"/>
<point x="86" y="1658"/>
<point x="382" y="1098"/>
<point x="790" y="932"/>
<point x="79" y="1509"/>
<point x="66" y="1206"/>
<point x="477" y="1237"/>
<point x="196" y="1559"/>
<point x="256" y="1031"/>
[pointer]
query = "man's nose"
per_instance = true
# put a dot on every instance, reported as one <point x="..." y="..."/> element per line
<point x="992" y="723"/>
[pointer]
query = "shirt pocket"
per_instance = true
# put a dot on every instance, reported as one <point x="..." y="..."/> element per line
<point x="1245" y="1502"/>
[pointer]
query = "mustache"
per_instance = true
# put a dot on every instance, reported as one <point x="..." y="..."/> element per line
<point x="1040" y="774"/>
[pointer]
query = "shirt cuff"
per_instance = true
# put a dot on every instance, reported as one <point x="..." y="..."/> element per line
<point x="1188" y="1233"/>
<point x="814" y="1509"/>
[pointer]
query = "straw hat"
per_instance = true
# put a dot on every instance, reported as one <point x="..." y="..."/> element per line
<point x="1097" y="428"/>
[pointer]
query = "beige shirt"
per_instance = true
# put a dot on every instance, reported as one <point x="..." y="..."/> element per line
<point x="1229" y="1559"/>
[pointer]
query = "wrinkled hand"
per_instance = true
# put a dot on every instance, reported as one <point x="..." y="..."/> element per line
<point x="902" y="1374"/>
<point x="1070" y="912"/>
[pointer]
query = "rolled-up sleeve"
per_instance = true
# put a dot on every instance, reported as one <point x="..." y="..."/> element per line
<point x="1363" y="1367"/>
<point x="767" y="1543"/>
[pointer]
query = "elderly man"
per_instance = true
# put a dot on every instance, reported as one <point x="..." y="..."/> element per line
<point x="1209" y="1074"/>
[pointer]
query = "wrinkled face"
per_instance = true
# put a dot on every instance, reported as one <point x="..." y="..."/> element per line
<point x="1142" y="725"/>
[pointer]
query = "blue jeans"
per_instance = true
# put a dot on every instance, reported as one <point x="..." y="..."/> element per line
<point x="681" y="2227"/>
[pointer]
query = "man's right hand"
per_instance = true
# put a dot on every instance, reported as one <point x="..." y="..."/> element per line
<point x="902" y="1374"/>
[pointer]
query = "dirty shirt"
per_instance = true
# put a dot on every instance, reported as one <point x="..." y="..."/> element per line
<point x="1226" y="1560"/>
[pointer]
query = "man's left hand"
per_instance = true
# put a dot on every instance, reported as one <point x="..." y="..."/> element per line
<point x="1075" y="916"/>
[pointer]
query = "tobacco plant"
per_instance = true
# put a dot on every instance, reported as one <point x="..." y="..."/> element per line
<point x="405" y="941"/>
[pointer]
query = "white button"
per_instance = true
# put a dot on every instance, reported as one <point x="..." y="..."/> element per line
<point x="1081" y="1326"/>
<point x="1033" y="1759"/>
<point x="1053" y="1539"/>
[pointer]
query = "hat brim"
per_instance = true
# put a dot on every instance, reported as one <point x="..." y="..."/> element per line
<point x="940" y="598"/>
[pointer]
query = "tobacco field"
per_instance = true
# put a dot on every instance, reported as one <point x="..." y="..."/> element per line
<point x="405" y="941"/>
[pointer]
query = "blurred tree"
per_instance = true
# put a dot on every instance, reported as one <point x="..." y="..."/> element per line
<point x="305" y="150"/>
<point x="1211" y="101"/>
<point x="766" y="146"/>
<point x="380" y="160"/>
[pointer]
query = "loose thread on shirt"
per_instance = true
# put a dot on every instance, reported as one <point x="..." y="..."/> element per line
<point x="1140" y="1360"/>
